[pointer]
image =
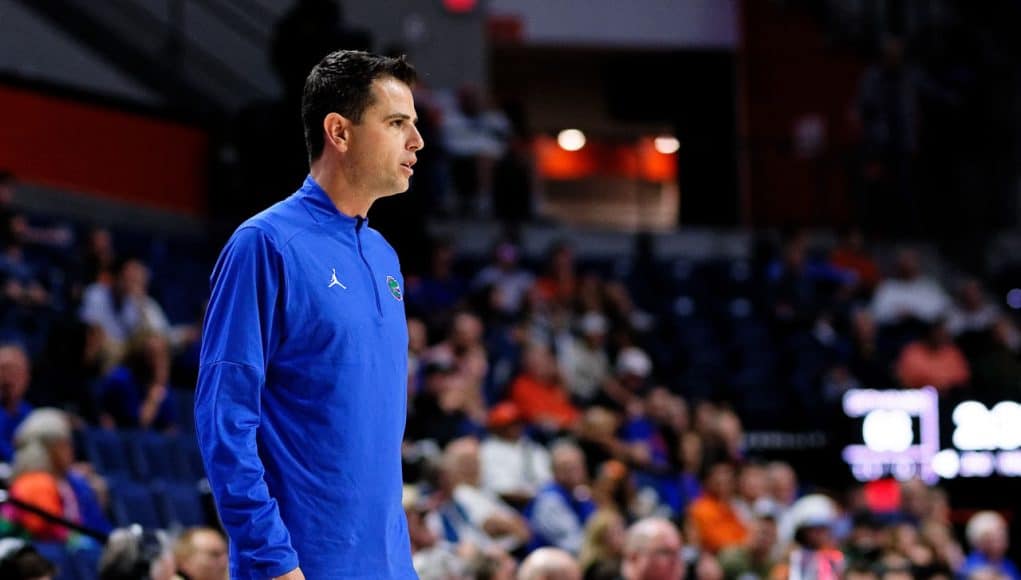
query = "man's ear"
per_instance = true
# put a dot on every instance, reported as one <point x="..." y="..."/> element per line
<point x="336" y="131"/>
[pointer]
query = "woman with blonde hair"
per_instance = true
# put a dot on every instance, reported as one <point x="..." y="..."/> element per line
<point x="603" y="545"/>
<point x="42" y="476"/>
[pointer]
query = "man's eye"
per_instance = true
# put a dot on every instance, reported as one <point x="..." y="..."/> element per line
<point x="397" y="123"/>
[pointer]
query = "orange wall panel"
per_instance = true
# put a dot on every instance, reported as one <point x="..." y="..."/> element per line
<point x="88" y="148"/>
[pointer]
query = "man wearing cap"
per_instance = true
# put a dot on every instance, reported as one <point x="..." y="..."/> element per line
<point x="513" y="466"/>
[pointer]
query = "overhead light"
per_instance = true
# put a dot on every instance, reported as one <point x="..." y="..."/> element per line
<point x="571" y="139"/>
<point x="666" y="144"/>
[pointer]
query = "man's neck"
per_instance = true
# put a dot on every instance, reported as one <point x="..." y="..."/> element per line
<point x="339" y="189"/>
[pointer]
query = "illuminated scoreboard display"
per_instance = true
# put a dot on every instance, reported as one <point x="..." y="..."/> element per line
<point x="906" y="434"/>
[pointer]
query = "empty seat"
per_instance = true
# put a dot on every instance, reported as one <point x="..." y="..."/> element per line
<point x="106" y="450"/>
<point x="133" y="503"/>
<point x="180" y="503"/>
<point x="157" y="456"/>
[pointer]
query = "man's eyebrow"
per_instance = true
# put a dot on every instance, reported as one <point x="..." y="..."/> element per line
<point x="404" y="116"/>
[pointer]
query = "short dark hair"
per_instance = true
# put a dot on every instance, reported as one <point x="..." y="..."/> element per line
<point x="342" y="83"/>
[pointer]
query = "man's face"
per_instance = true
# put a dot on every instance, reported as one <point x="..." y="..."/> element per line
<point x="569" y="468"/>
<point x="208" y="561"/>
<point x="14" y="374"/>
<point x="382" y="146"/>
<point x="660" y="559"/>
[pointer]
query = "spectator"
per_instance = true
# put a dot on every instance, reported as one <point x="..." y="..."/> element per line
<point x="908" y="295"/>
<point x="468" y="513"/>
<point x="888" y="111"/>
<point x="633" y="370"/>
<point x="866" y="362"/>
<point x="513" y="466"/>
<point x="515" y="182"/>
<point x="851" y="255"/>
<point x="713" y="519"/>
<point x="973" y="312"/>
<point x="505" y="281"/>
<point x="491" y="564"/>
<point x="997" y="369"/>
<point x="464" y="350"/>
<point x="757" y="557"/>
<point x="439" y="412"/>
<point x="603" y="546"/>
<point x="783" y="490"/>
<point x="20" y="560"/>
<point x="133" y="553"/>
<point x="127" y="308"/>
<point x="138" y="394"/>
<point x="586" y="367"/>
<point x="417" y="344"/>
<point x="652" y="551"/>
<point x="560" y="281"/>
<point x="934" y="360"/>
<point x="476" y="136"/>
<point x="15" y="376"/>
<point x="42" y="476"/>
<point x="987" y="536"/>
<point x="437" y="293"/>
<point x="540" y="394"/>
<point x="431" y="556"/>
<point x="814" y="553"/>
<point x="200" y="554"/>
<point x="549" y="564"/>
<point x="561" y="508"/>
<point x="800" y="288"/>
<point x="752" y="492"/>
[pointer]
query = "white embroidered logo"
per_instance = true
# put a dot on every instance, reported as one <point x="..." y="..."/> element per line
<point x="334" y="281"/>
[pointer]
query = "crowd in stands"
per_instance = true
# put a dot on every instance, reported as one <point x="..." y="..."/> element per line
<point x="587" y="414"/>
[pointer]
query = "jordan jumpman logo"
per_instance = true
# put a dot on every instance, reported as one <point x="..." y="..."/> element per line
<point x="335" y="282"/>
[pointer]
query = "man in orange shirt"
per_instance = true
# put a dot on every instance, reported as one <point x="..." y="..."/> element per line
<point x="539" y="391"/>
<point x="711" y="516"/>
<point x="934" y="360"/>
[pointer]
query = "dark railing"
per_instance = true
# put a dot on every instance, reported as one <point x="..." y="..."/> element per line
<point x="152" y="49"/>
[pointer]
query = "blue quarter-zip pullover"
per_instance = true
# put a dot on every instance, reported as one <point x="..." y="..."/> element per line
<point x="302" y="395"/>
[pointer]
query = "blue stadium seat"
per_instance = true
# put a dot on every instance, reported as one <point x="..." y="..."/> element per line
<point x="133" y="503"/>
<point x="106" y="450"/>
<point x="57" y="554"/>
<point x="184" y="399"/>
<point x="86" y="563"/>
<point x="180" y="503"/>
<point x="188" y="448"/>
<point x="156" y="456"/>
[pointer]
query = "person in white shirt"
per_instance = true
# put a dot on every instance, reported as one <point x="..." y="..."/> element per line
<point x="583" y="360"/>
<point x="127" y="308"/>
<point x="513" y="466"/>
<point x="468" y="513"/>
<point x="909" y="294"/>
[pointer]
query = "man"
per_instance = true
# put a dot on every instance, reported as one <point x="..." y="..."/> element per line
<point x="200" y="554"/>
<point x="561" y="508"/>
<point x="712" y="516"/>
<point x="513" y="466"/>
<point x="468" y="513"/>
<point x="652" y="551"/>
<point x="987" y="534"/>
<point x="549" y="564"/>
<point x="301" y="399"/>
<point x="15" y="376"/>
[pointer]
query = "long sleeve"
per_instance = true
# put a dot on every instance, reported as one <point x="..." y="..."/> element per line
<point x="239" y="336"/>
<point x="555" y="521"/>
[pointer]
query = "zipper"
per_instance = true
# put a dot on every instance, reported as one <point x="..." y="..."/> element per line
<point x="372" y="275"/>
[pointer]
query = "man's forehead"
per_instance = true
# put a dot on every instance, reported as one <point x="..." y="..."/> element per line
<point x="390" y="95"/>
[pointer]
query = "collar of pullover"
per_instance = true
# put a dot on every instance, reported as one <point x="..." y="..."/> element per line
<point x="321" y="206"/>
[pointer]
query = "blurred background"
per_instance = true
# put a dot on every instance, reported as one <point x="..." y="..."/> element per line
<point x="750" y="265"/>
